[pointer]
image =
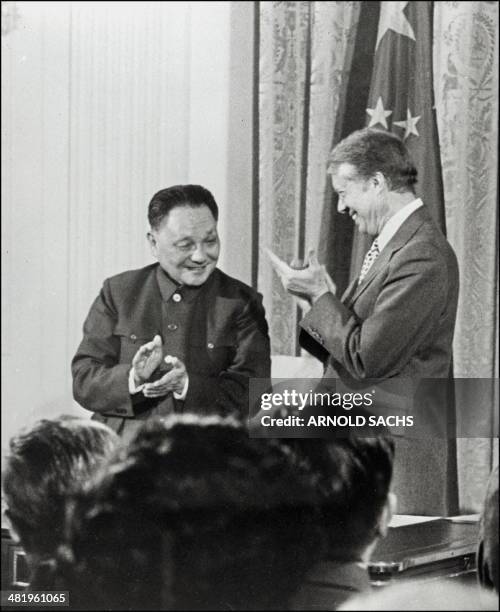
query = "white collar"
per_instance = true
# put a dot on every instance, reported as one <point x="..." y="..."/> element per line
<point x="396" y="221"/>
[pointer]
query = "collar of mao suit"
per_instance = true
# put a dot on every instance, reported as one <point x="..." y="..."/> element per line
<point x="168" y="287"/>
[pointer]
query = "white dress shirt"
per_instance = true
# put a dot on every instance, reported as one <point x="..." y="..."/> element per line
<point x="396" y="221"/>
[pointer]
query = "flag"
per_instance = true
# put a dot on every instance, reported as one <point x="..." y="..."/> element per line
<point x="401" y="95"/>
<point x="337" y="235"/>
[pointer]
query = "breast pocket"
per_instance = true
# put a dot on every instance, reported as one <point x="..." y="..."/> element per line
<point x="130" y="343"/>
<point x="213" y="357"/>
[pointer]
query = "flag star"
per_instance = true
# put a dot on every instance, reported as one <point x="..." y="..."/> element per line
<point x="410" y="124"/>
<point x="393" y="18"/>
<point x="378" y="114"/>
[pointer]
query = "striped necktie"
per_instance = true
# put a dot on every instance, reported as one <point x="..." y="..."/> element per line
<point x="370" y="257"/>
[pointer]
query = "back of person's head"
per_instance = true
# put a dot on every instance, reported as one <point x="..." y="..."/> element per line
<point x="167" y="199"/>
<point x="437" y="594"/>
<point x="487" y="553"/>
<point x="193" y="515"/>
<point x="352" y="476"/>
<point x="46" y="464"/>
<point x="372" y="150"/>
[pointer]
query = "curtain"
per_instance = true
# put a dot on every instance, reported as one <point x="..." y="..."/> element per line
<point x="466" y="89"/>
<point x="305" y="51"/>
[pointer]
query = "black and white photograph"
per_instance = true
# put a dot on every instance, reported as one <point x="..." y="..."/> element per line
<point x="250" y="305"/>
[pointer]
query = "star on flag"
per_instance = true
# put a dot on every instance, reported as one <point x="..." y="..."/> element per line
<point x="409" y="125"/>
<point x="378" y="114"/>
<point x="393" y="18"/>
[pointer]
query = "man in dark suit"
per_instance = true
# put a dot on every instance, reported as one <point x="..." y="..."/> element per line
<point x="396" y="320"/>
<point x="177" y="336"/>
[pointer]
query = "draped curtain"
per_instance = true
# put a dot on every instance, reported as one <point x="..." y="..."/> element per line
<point x="306" y="55"/>
<point x="305" y="50"/>
<point x="466" y="90"/>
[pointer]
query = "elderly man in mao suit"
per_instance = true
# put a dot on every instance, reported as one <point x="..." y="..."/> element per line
<point x="396" y="321"/>
<point x="177" y="336"/>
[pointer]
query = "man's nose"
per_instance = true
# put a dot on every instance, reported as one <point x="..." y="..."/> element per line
<point x="198" y="255"/>
<point x="341" y="207"/>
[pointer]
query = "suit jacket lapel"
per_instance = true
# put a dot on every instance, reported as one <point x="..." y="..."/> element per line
<point x="400" y="238"/>
<point x="378" y="265"/>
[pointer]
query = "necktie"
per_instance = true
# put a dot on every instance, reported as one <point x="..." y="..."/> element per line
<point x="370" y="257"/>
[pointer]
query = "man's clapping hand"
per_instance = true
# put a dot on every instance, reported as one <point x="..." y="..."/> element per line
<point x="146" y="360"/>
<point x="173" y="381"/>
<point x="309" y="282"/>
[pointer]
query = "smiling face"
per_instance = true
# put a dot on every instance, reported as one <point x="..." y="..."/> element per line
<point x="362" y="198"/>
<point x="186" y="244"/>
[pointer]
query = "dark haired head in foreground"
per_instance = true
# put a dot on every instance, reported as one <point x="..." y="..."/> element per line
<point x="47" y="463"/>
<point x="195" y="515"/>
<point x="352" y="476"/>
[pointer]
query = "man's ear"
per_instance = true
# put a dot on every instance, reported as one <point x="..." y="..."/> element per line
<point x="379" y="181"/>
<point x="388" y="512"/>
<point x="152" y="241"/>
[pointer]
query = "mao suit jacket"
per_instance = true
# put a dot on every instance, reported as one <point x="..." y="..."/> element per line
<point x="226" y="343"/>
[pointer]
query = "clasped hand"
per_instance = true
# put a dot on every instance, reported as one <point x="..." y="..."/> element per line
<point x="147" y="359"/>
<point x="306" y="284"/>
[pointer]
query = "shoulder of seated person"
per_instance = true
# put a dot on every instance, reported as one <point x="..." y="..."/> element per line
<point x="130" y="279"/>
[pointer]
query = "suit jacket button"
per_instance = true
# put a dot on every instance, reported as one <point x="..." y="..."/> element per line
<point x="210" y="345"/>
<point x="133" y="337"/>
<point x="172" y="326"/>
<point x="177" y="297"/>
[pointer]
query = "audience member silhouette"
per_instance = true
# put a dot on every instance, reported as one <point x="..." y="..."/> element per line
<point x="352" y="476"/>
<point x="194" y="515"/>
<point x="46" y="464"/>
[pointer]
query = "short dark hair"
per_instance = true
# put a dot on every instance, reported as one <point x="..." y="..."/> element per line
<point x="371" y="150"/>
<point x="45" y="465"/>
<point x="194" y="515"/>
<point x="179" y="195"/>
<point x="352" y="476"/>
